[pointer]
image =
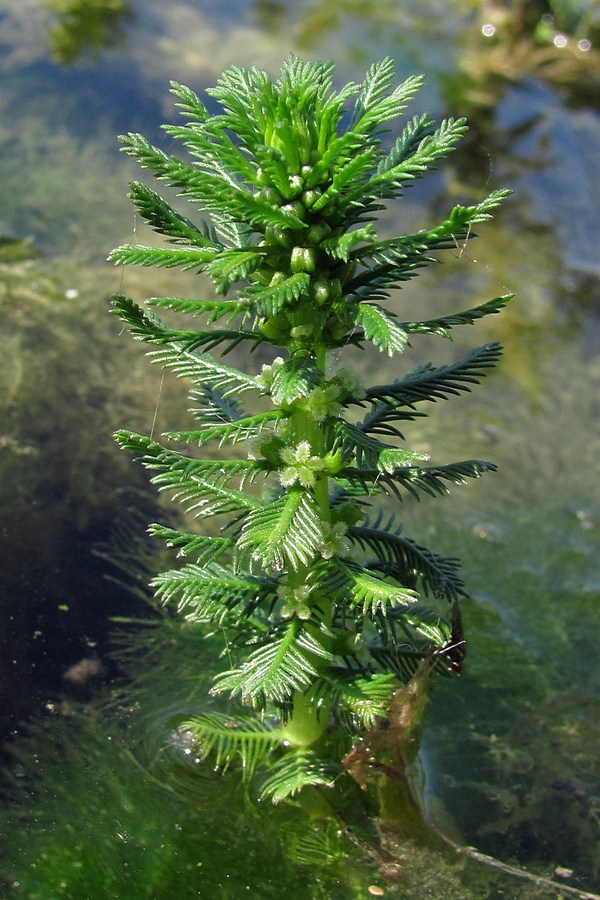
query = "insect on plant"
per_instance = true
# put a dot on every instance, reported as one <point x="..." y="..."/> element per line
<point x="326" y="607"/>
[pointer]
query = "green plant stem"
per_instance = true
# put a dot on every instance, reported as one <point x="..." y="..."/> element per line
<point x="305" y="727"/>
<point x="308" y="720"/>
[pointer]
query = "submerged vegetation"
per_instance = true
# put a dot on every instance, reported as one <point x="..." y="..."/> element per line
<point x="325" y="608"/>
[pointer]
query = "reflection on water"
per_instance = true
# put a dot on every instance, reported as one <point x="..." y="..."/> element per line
<point x="510" y="749"/>
<point x="86" y="25"/>
<point x="514" y="752"/>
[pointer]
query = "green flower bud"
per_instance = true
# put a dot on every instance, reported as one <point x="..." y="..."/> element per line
<point x="268" y="372"/>
<point x="303" y="259"/>
<point x="348" y="512"/>
<point x="349" y="385"/>
<point x="326" y="290"/>
<point x="276" y="328"/>
<point x="296" y="184"/>
<point x="334" y="462"/>
<point x="282" y="236"/>
<point x="321" y="403"/>
<point x="296" y="601"/>
<point x="271" y="195"/>
<point x="299" y="466"/>
<point x="296" y="208"/>
<point x="300" y="331"/>
<point x="320" y="291"/>
<point x="335" y="542"/>
<point x="335" y="287"/>
<point x="266" y="445"/>
<point x="309" y="198"/>
<point x="317" y="233"/>
<point x="304" y="153"/>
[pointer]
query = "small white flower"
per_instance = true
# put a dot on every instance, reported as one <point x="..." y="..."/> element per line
<point x="295" y="602"/>
<point x="323" y="402"/>
<point x="268" y="372"/>
<point x="300" y="466"/>
<point x="298" y="454"/>
<point x="335" y="541"/>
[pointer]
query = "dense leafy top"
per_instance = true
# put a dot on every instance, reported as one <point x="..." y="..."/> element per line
<point x="292" y="196"/>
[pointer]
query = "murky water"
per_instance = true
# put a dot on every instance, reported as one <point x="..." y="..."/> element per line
<point x="510" y="750"/>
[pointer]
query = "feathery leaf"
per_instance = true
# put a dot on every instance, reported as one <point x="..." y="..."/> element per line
<point x="380" y="327"/>
<point x="164" y="219"/>
<point x="227" y="737"/>
<point x="295" y="379"/>
<point x="204" y="548"/>
<point x="374" y="594"/>
<point x="214" y="309"/>
<point x="206" y="593"/>
<point x="233" y="432"/>
<point x="269" y="300"/>
<point x="374" y="106"/>
<point x="443" y="324"/>
<point x="276" y="670"/>
<point x="416" y="565"/>
<point x="232" y="265"/>
<point x="429" y="383"/>
<point x="285" y="533"/>
<point x="166" y="258"/>
<point x="362" y="700"/>
<point x="294" y="771"/>
<point x="432" y="480"/>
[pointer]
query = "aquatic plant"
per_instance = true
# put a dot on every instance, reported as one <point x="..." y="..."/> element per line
<point x="325" y="607"/>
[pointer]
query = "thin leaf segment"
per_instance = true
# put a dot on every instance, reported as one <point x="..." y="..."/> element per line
<point x="324" y="609"/>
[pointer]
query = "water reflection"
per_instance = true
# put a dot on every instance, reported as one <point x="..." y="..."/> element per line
<point x="86" y="26"/>
<point x="555" y="41"/>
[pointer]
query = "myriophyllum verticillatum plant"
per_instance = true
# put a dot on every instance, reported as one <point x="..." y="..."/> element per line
<point x="326" y="609"/>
